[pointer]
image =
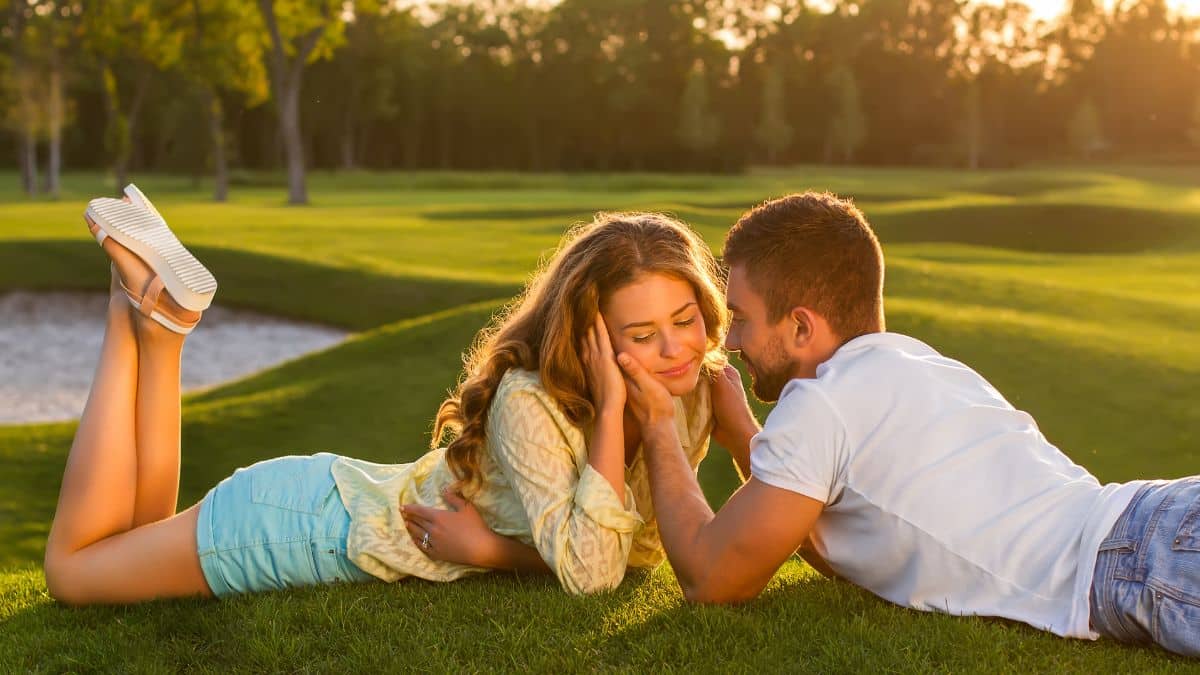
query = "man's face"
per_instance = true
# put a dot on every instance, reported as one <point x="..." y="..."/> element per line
<point x="761" y="345"/>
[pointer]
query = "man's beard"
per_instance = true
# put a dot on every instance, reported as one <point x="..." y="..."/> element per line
<point x="771" y="375"/>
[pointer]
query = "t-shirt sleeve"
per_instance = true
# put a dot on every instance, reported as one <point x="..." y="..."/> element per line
<point x="802" y="446"/>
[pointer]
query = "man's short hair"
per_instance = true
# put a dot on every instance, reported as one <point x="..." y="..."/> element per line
<point x="812" y="250"/>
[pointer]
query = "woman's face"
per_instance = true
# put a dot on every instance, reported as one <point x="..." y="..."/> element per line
<point x="656" y="320"/>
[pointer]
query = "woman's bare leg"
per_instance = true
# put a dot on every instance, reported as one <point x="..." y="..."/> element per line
<point x="96" y="499"/>
<point x="96" y="551"/>
<point x="157" y="423"/>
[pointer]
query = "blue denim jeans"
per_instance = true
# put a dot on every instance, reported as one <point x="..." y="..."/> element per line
<point x="1147" y="582"/>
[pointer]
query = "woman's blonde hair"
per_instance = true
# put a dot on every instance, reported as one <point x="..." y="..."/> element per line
<point x="542" y="328"/>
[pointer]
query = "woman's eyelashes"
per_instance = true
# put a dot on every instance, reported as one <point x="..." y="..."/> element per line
<point x="645" y="337"/>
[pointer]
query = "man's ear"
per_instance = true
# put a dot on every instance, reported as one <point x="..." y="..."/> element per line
<point x="803" y="326"/>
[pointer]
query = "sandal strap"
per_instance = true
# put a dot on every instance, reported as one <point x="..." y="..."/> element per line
<point x="98" y="232"/>
<point x="146" y="305"/>
<point x="150" y="297"/>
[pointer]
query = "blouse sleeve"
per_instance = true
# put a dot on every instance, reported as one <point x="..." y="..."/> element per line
<point x="579" y="527"/>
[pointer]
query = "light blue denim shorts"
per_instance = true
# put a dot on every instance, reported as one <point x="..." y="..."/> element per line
<point x="276" y="524"/>
<point x="1147" y="582"/>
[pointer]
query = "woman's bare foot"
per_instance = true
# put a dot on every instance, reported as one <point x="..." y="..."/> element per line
<point x="136" y="276"/>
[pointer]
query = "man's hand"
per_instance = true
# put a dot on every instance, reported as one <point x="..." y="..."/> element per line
<point x="647" y="397"/>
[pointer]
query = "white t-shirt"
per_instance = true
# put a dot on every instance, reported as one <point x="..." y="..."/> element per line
<point x="939" y="495"/>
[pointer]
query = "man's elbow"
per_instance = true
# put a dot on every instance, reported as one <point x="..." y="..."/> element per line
<point x="706" y="592"/>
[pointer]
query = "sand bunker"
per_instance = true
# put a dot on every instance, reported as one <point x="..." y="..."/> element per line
<point x="49" y="343"/>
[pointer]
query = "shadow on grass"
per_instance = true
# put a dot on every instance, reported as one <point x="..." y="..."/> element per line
<point x="343" y="297"/>
<point x="1030" y="293"/>
<point x="1003" y="185"/>
<point x="1050" y="228"/>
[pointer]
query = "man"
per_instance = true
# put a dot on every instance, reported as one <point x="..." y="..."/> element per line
<point x="902" y="470"/>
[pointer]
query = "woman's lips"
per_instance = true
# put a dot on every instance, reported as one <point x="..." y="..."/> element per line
<point x="678" y="370"/>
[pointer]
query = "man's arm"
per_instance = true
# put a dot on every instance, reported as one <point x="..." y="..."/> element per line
<point x="725" y="557"/>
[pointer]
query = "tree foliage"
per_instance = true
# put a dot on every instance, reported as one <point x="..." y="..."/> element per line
<point x="596" y="84"/>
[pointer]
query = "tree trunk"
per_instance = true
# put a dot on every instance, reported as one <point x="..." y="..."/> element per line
<point x="287" y="75"/>
<point x="135" y="107"/>
<point x="348" y="148"/>
<point x="974" y="130"/>
<point x="28" y="159"/>
<point x="414" y="124"/>
<point x="54" y="123"/>
<point x="293" y="143"/>
<point x="26" y="141"/>
<point x="533" y="141"/>
<point x="445" y="151"/>
<point x="347" y="141"/>
<point x="216" y="132"/>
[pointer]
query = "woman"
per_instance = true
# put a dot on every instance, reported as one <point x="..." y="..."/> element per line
<point x="544" y="471"/>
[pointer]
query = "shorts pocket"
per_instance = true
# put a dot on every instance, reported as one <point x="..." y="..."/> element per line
<point x="300" y="484"/>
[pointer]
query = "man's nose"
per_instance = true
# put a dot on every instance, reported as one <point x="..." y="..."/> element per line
<point x="733" y="341"/>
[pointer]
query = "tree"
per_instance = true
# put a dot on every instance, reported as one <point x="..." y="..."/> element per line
<point x="773" y="132"/>
<point x="130" y="41"/>
<point x="1084" y="131"/>
<point x="1194" y="130"/>
<point x="301" y="31"/>
<point x="222" y="52"/>
<point x="699" y="128"/>
<point x="848" y="128"/>
<point x="19" y="84"/>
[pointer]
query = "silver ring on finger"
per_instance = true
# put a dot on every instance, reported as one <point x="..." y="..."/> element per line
<point x="426" y="543"/>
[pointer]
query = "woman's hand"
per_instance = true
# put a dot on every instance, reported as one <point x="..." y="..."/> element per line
<point x="457" y="535"/>
<point x="604" y="378"/>
<point x="731" y="409"/>
<point x="735" y="422"/>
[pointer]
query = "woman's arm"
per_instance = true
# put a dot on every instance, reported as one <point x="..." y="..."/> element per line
<point x="510" y="554"/>
<point x="580" y="528"/>
<point x="460" y="535"/>
<point x="606" y="453"/>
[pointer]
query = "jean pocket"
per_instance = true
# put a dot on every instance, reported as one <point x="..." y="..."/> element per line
<point x="1188" y="536"/>
<point x="297" y="484"/>
<point x="1176" y="624"/>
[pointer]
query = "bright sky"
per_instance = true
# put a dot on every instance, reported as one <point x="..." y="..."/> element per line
<point x="1042" y="9"/>
<point x="1048" y="9"/>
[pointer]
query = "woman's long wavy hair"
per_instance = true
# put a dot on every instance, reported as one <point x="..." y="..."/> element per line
<point x="541" y="329"/>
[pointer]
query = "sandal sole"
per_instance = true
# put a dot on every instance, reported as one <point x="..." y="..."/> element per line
<point x="146" y="234"/>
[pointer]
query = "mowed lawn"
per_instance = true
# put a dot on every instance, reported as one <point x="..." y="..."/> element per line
<point x="1075" y="291"/>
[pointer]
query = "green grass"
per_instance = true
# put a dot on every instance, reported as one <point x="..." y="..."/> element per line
<point x="1076" y="292"/>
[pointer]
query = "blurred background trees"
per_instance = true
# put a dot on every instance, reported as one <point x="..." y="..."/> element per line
<point x="208" y="87"/>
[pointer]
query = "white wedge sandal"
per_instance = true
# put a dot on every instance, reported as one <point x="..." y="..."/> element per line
<point x="139" y="227"/>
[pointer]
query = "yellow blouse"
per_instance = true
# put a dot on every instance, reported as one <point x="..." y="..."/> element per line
<point x="537" y="487"/>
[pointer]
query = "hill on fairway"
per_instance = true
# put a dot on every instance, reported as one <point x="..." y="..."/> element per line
<point x="1075" y="292"/>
